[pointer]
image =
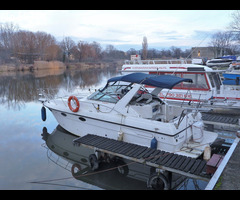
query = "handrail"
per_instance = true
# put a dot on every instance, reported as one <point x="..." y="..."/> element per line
<point x="153" y="62"/>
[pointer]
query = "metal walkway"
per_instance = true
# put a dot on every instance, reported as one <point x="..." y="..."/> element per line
<point x="220" y="119"/>
<point x="189" y="167"/>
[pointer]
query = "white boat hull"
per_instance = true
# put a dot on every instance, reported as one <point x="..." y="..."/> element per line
<point x="133" y="134"/>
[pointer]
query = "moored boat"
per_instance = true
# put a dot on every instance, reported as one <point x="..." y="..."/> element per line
<point x="125" y="110"/>
<point x="207" y="89"/>
<point x="232" y="74"/>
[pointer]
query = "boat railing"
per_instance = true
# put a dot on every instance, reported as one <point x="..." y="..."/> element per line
<point x="153" y="62"/>
<point x="47" y="94"/>
<point x="57" y="159"/>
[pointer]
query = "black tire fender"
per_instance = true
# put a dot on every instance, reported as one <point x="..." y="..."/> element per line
<point x="94" y="164"/>
<point x="158" y="181"/>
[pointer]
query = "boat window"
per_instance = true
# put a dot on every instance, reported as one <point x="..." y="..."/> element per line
<point x="199" y="81"/>
<point x="216" y="80"/>
<point x="211" y="79"/>
<point x="159" y="73"/>
<point x="111" y="94"/>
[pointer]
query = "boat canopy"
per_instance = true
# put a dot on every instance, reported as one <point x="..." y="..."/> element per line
<point x="161" y="81"/>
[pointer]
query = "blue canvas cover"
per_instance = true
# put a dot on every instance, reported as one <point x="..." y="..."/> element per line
<point x="161" y="81"/>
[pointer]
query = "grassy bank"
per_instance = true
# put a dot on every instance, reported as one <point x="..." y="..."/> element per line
<point x="45" y="65"/>
<point x="93" y="65"/>
<point x="37" y="65"/>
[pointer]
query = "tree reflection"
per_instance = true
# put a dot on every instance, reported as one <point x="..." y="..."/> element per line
<point x="18" y="89"/>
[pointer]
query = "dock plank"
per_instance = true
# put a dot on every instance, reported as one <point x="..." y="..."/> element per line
<point x="200" y="167"/>
<point x="180" y="162"/>
<point x="169" y="162"/>
<point x="155" y="156"/>
<point x="165" y="159"/>
<point x="195" y="166"/>
<point x="140" y="151"/>
<point x="184" y="164"/>
<point x="189" y="165"/>
<point x="133" y="150"/>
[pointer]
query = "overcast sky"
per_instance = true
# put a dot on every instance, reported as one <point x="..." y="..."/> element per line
<point x="125" y="28"/>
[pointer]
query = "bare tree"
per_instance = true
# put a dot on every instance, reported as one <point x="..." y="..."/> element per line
<point x="144" y="47"/>
<point x="176" y="52"/>
<point x="221" y="41"/>
<point x="7" y="32"/>
<point x="67" y="46"/>
<point x="97" y="50"/>
<point x="235" y="24"/>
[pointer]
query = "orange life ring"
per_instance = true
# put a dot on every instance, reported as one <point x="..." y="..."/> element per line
<point x="70" y="106"/>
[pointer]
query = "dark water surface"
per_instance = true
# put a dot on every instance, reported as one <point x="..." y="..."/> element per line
<point x="33" y="160"/>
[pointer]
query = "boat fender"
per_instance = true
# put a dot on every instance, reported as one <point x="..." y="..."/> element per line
<point x="153" y="143"/>
<point x="157" y="181"/>
<point x="207" y="153"/>
<point x="43" y="113"/>
<point x="73" y="169"/>
<point x="94" y="164"/>
<point x="76" y="102"/>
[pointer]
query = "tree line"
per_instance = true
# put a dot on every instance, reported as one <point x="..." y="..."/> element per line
<point x="21" y="46"/>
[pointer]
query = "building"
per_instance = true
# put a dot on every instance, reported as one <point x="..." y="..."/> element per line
<point x="205" y="52"/>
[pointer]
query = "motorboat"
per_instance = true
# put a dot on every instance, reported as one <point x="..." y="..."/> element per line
<point x="124" y="110"/>
<point x="232" y="74"/>
<point x="223" y="61"/>
<point x="206" y="90"/>
<point x="219" y="62"/>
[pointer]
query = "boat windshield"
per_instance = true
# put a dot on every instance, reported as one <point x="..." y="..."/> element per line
<point x="112" y="93"/>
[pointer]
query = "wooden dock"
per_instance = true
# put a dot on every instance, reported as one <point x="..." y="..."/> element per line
<point x="183" y="165"/>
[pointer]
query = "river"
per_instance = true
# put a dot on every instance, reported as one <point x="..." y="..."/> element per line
<point x="34" y="159"/>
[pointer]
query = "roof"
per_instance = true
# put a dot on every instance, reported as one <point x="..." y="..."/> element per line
<point x="161" y="81"/>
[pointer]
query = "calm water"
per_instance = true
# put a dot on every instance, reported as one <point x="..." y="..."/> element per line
<point x="33" y="160"/>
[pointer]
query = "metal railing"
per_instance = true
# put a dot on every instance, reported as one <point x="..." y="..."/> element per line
<point x="153" y="62"/>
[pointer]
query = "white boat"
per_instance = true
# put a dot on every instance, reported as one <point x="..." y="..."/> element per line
<point x="124" y="110"/>
<point x="219" y="62"/>
<point x="232" y="74"/>
<point x="206" y="90"/>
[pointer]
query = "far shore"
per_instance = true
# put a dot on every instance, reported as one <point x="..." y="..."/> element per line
<point x="54" y="67"/>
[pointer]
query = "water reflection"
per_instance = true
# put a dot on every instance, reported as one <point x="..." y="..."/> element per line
<point x="75" y="159"/>
<point x="16" y="90"/>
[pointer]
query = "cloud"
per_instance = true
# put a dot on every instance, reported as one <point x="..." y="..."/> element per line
<point x="122" y="26"/>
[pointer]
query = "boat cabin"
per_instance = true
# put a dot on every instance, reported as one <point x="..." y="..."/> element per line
<point x="203" y="77"/>
<point x="130" y="96"/>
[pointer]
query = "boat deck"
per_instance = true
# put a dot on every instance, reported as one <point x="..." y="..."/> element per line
<point x="189" y="167"/>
